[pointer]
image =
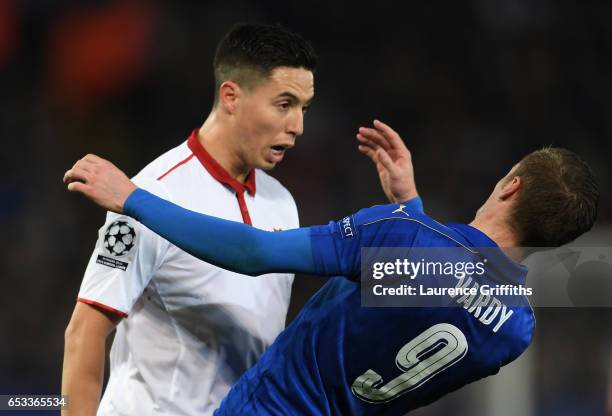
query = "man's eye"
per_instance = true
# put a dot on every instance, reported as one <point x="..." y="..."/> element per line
<point x="284" y="105"/>
<point x="305" y="109"/>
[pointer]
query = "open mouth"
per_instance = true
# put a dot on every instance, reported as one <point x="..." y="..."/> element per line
<point x="277" y="152"/>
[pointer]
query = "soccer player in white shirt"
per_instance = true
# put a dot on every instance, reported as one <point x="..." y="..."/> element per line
<point x="186" y="330"/>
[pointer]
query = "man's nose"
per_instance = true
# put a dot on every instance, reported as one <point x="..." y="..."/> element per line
<point x="295" y="126"/>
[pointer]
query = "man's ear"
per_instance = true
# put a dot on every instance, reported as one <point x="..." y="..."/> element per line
<point x="229" y="94"/>
<point x="510" y="188"/>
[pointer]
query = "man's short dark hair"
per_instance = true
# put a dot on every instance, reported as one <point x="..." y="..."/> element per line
<point x="558" y="198"/>
<point x="249" y="53"/>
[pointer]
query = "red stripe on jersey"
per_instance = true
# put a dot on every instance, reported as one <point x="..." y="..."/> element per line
<point x="219" y="173"/>
<point x="102" y="306"/>
<point x="244" y="210"/>
<point x="182" y="162"/>
<point x="216" y="170"/>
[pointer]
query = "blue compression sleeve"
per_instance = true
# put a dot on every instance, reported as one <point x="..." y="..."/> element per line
<point x="227" y="244"/>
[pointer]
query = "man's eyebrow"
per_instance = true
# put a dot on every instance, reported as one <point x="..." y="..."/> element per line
<point x="293" y="97"/>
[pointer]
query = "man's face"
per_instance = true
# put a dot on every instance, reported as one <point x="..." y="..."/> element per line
<point x="271" y="116"/>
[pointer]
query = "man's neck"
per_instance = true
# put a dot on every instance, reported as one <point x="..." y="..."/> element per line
<point x="503" y="235"/>
<point x="219" y="141"/>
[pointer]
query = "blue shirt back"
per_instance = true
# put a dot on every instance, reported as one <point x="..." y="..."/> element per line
<point x="338" y="357"/>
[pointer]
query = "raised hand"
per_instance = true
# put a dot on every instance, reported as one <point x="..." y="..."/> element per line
<point x="392" y="158"/>
<point x="100" y="181"/>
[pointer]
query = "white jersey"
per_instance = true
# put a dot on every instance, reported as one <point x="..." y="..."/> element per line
<point x="191" y="328"/>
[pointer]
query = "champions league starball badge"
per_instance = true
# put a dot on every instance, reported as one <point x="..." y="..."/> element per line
<point x="119" y="238"/>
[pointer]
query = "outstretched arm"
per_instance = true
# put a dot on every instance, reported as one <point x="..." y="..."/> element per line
<point x="227" y="244"/>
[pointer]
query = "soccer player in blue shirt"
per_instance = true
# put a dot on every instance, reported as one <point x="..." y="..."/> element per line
<point x="338" y="357"/>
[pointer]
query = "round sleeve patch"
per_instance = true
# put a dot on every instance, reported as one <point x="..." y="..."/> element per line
<point x="119" y="238"/>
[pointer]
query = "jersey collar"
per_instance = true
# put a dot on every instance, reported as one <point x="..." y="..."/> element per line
<point x="480" y="240"/>
<point x="217" y="171"/>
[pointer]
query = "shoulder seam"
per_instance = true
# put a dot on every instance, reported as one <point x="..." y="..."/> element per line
<point x="425" y="225"/>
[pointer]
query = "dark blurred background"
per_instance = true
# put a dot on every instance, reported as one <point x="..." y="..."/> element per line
<point x="471" y="86"/>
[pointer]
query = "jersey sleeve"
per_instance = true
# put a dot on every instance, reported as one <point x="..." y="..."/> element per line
<point x="336" y="247"/>
<point x="125" y="257"/>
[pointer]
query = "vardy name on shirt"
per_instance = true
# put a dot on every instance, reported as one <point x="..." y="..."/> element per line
<point x="479" y="300"/>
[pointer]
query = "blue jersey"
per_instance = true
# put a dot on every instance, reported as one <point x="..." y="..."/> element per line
<point x="338" y="357"/>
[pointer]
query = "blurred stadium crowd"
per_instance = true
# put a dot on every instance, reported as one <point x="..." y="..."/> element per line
<point x="471" y="87"/>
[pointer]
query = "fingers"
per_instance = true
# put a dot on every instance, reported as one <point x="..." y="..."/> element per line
<point x="383" y="136"/>
<point x="367" y="142"/>
<point x="83" y="167"/>
<point x="392" y="138"/>
<point x="67" y="177"/>
<point x="90" y="157"/>
<point x="89" y="161"/>
<point x="380" y="157"/>
<point x="77" y="173"/>
<point x="374" y="137"/>
<point x="79" y="187"/>
<point x="386" y="161"/>
<point x="369" y="152"/>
